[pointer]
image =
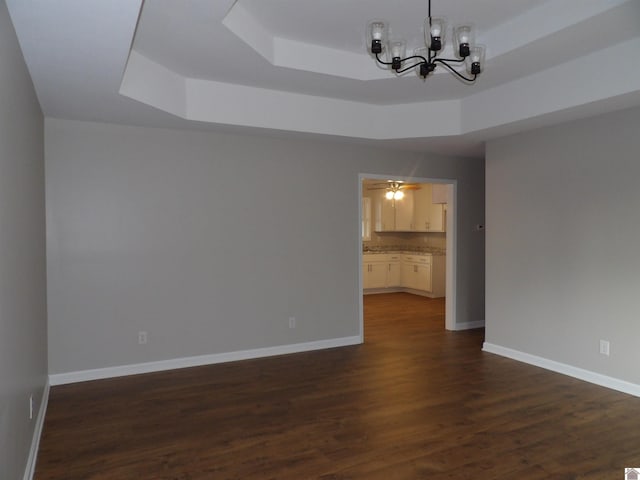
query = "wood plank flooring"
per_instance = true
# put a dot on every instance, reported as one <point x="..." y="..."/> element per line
<point x="413" y="402"/>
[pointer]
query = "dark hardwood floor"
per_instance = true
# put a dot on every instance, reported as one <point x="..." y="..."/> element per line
<point x="413" y="402"/>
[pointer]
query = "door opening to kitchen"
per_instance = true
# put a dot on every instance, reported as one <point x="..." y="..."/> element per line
<point x="408" y="254"/>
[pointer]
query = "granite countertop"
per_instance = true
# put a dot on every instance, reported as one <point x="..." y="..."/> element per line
<point x="400" y="249"/>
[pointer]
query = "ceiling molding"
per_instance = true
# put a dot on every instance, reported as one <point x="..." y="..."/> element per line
<point x="186" y="69"/>
<point x="540" y="95"/>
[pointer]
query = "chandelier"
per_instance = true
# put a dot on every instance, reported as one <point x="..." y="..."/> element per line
<point x="425" y="59"/>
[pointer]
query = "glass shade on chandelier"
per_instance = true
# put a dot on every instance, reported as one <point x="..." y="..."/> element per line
<point x="425" y="59"/>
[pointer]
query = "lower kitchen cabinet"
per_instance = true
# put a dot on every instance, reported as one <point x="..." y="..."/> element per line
<point x="380" y="271"/>
<point x="394" y="274"/>
<point x="423" y="274"/>
<point x="416" y="272"/>
<point x="374" y="275"/>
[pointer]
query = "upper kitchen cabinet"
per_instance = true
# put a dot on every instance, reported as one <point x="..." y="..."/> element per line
<point x="439" y="193"/>
<point x="415" y="212"/>
<point x="428" y="216"/>
<point x="403" y="209"/>
<point x="384" y="212"/>
<point x="393" y="215"/>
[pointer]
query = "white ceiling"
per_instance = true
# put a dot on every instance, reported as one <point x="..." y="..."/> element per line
<point x="300" y="67"/>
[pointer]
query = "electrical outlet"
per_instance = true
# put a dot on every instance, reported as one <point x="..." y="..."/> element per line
<point x="604" y="347"/>
<point x="292" y="322"/>
<point x="142" y="338"/>
<point x="30" y="407"/>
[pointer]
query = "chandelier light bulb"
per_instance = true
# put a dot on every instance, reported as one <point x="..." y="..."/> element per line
<point x="377" y="36"/>
<point x="377" y="30"/>
<point x="397" y="49"/>
<point x="435" y="29"/>
<point x="475" y="61"/>
<point x="463" y="35"/>
<point x="463" y="40"/>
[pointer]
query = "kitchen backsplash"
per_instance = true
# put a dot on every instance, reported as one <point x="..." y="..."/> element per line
<point x="412" y="242"/>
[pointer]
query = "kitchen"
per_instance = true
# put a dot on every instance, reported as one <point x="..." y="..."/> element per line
<point x="404" y="237"/>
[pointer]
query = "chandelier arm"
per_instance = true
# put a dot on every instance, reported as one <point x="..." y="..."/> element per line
<point x="449" y="60"/>
<point x="382" y="61"/>
<point x="406" y="69"/>
<point x="424" y="60"/>
<point x="455" y="72"/>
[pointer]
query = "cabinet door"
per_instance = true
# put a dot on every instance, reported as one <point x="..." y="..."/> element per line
<point x="366" y="277"/>
<point x="378" y="275"/>
<point x="404" y="212"/>
<point x="393" y="274"/>
<point x="423" y="278"/>
<point x="422" y="207"/>
<point x="385" y="217"/>
<point x="439" y="193"/>
<point x="408" y="277"/>
<point x="436" y="222"/>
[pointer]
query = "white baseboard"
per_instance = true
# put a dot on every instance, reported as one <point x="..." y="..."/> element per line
<point x="123" y="370"/>
<point x="469" y="325"/>
<point x="579" y="373"/>
<point x="30" y="469"/>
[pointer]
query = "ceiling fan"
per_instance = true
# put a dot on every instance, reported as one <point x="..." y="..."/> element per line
<point x="394" y="188"/>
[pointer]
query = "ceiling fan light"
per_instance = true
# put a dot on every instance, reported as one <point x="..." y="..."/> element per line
<point x="434" y="33"/>
<point x="389" y="195"/>
<point x="398" y="195"/>
<point x="377" y="32"/>
<point x="475" y="61"/>
<point x="464" y="37"/>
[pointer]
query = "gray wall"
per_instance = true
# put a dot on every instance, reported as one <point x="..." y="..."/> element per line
<point x="210" y="242"/>
<point x="563" y="231"/>
<point x="23" y="327"/>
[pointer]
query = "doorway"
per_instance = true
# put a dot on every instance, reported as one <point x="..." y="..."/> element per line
<point x="376" y="218"/>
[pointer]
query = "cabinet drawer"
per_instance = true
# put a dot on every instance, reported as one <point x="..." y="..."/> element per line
<point x="424" y="259"/>
<point x="380" y="258"/>
<point x="374" y="258"/>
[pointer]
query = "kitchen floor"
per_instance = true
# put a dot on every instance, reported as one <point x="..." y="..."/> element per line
<point x="404" y="309"/>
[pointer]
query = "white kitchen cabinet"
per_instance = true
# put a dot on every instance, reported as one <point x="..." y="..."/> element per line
<point x="420" y="273"/>
<point x="416" y="212"/>
<point x="439" y="193"/>
<point x="437" y="218"/>
<point x="394" y="274"/>
<point x="394" y="215"/>
<point x="366" y="219"/>
<point x="416" y="272"/>
<point x="438" y="275"/>
<point x="408" y="275"/>
<point x="428" y="216"/>
<point x="374" y="275"/>
<point x="380" y="271"/>
<point x="422" y="208"/>
<point x="385" y="215"/>
<point x="404" y="212"/>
